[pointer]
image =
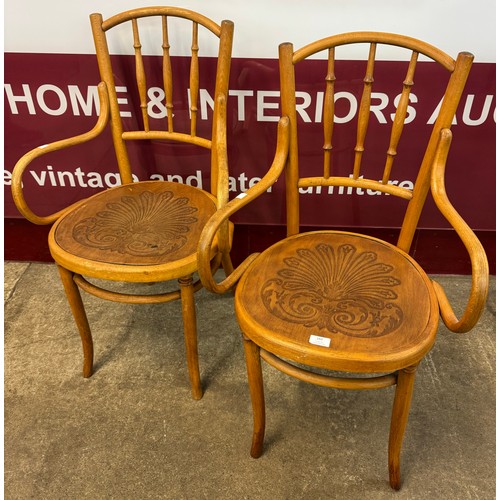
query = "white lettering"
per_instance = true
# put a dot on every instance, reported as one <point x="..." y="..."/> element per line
<point x="263" y="105"/>
<point x="68" y="175"/>
<point x="377" y="109"/>
<point x="195" y="180"/>
<point x="240" y="95"/>
<point x="174" y="178"/>
<point x="79" y="174"/>
<point x="205" y="101"/>
<point x="77" y="100"/>
<point x="95" y="180"/>
<point x="484" y="112"/>
<point x="352" y="109"/>
<point x="411" y="112"/>
<point x="7" y="177"/>
<point x="122" y="100"/>
<point x="406" y="184"/>
<point x="301" y="107"/>
<point x="56" y="101"/>
<point x="435" y="114"/>
<point x="40" y="97"/>
<point x="39" y="180"/>
<point x="14" y="99"/>
<point x="319" y="107"/>
<point x="112" y="179"/>
<point x="156" y="96"/>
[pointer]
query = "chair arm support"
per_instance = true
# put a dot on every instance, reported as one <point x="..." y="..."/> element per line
<point x="20" y="167"/>
<point x="222" y="215"/>
<point x="224" y="240"/>
<point x="479" y="286"/>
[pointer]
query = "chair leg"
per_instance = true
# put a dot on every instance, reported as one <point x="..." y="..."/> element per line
<point x="256" y="386"/>
<point x="400" y="411"/>
<point x="190" y="337"/>
<point x="78" y="310"/>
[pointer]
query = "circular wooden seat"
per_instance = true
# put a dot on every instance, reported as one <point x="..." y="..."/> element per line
<point x="132" y="231"/>
<point x="339" y="301"/>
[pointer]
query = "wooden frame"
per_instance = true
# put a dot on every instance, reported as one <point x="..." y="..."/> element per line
<point x="147" y="231"/>
<point x="319" y="283"/>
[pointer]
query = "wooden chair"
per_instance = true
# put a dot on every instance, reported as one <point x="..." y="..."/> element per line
<point x="145" y="232"/>
<point x="343" y="301"/>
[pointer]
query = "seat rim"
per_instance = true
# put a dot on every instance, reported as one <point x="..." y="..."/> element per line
<point x="318" y="357"/>
<point x="124" y="272"/>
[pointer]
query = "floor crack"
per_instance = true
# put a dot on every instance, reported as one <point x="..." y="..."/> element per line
<point x="14" y="287"/>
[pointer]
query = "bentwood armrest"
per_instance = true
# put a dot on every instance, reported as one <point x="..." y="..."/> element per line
<point x="222" y="215"/>
<point x="479" y="286"/>
<point x="20" y="167"/>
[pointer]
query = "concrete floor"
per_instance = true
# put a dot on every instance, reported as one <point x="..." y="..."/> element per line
<point x="132" y="431"/>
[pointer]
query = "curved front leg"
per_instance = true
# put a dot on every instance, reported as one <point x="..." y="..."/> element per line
<point x="78" y="310"/>
<point x="256" y="386"/>
<point x="400" y="411"/>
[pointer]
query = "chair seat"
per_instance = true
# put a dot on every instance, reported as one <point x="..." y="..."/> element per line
<point x="131" y="231"/>
<point x="339" y="301"/>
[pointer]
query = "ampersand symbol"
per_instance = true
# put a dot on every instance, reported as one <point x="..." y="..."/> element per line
<point x="156" y="96"/>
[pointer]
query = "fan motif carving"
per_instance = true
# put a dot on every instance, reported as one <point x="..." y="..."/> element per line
<point x="338" y="289"/>
<point x="151" y="224"/>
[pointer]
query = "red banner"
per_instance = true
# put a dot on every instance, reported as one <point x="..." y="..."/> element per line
<point x="52" y="96"/>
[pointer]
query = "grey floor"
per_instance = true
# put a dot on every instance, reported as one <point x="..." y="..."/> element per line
<point x="132" y="431"/>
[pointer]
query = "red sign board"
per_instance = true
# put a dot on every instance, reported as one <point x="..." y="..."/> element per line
<point x="52" y="96"/>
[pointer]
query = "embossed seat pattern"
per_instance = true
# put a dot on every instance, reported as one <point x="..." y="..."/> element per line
<point x="140" y="223"/>
<point x="338" y="289"/>
<point x="339" y="286"/>
<point x="151" y="224"/>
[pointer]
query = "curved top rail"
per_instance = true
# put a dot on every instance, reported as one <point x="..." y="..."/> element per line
<point x="376" y="37"/>
<point x="162" y="11"/>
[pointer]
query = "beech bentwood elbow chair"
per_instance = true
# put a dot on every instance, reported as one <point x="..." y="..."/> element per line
<point x="343" y="301"/>
<point x="145" y="232"/>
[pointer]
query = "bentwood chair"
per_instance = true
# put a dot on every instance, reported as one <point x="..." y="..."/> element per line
<point x="341" y="301"/>
<point x="148" y="231"/>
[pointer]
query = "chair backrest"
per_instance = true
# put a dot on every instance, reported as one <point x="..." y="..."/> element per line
<point x="176" y="103"/>
<point x="327" y="174"/>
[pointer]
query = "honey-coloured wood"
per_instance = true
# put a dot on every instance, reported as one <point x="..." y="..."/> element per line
<point x="167" y="74"/>
<point x="400" y="412"/>
<point x="256" y="386"/>
<point x="399" y="118"/>
<point x="329" y="113"/>
<point x="82" y="323"/>
<point x="346" y="310"/>
<point x="357" y="292"/>
<point x="147" y="231"/>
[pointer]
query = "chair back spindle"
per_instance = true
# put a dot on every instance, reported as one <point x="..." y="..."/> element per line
<point x="167" y="19"/>
<point x="140" y="76"/>
<point x="167" y="75"/>
<point x="458" y="71"/>
<point x="329" y="112"/>
<point x="364" y="111"/>
<point x="399" y="118"/>
<point x="194" y="79"/>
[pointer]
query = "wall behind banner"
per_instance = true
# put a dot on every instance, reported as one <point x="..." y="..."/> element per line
<point x="50" y="93"/>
